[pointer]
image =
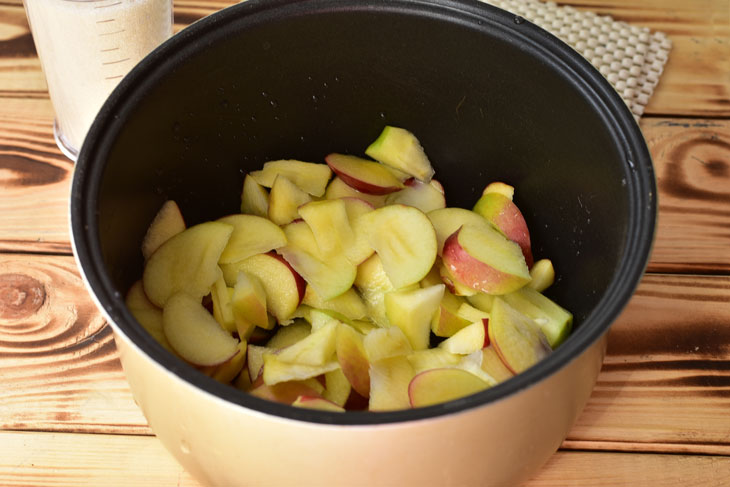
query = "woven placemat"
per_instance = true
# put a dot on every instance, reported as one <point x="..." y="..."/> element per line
<point x="631" y="58"/>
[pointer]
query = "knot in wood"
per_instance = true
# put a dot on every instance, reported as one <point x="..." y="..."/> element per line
<point x="20" y="296"/>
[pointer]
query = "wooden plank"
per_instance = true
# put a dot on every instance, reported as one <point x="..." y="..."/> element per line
<point x="696" y="79"/>
<point x="59" y="460"/>
<point x="665" y="384"/>
<point x="692" y="164"/>
<point x="59" y="367"/>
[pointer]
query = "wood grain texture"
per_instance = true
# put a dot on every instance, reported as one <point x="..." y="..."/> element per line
<point x="59" y="368"/>
<point x="692" y="164"/>
<point x="696" y="79"/>
<point x="65" y="460"/>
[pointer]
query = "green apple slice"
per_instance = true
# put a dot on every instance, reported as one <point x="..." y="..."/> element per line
<point x="436" y="386"/>
<point x="412" y="312"/>
<point x="398" y="148"/>
<point x="404" y="239"/>
<point x="516" y="338"/>
<point x="555" y="321"/>
<point x="254" y="198"/>
<point x="309" y="177"/>
<point x="483" y="259"/>
<point x="251" y="235"/>
<point x="187" y="262"/>
<point x="194" y="334"/>
<point x="167" y="223"/>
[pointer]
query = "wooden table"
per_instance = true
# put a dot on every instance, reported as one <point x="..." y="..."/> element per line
<point x="660" y="414"/>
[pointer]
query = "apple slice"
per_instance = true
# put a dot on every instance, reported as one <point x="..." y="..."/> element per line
<point x="363" y="175"/>
<point x="251" y="235"/>
<point x="543" y="275"/>
<point x="482" y="301"/>
<point x="485" y="260"/>
<point x="337" y="387"/>
<point x="356" y="207"/>
<point x="516" y="338"/>
<point x="389" y="380"/>
<point x="285" y="199"/>
<point x="501" y="212"/>
<point x="289" y="335"/>
<point x="373" y="283"/>
<point x="331" y="228"/>
<point x="400" y="149"/>
<point x="254" y="198"/>
<point x="285" y="392"/>
<point x="147" y="314"/>
<point x="317" y="403"/>
<point x="469" y="312"/>
<point x="467" y="340"/>
<point x="299" y="234"/>
<point x="412" y="312"/>
<point x="493" y="365"/>
<point x="187" y="262"/>
<point x="228" y="370"/>
<point x="222" y="306"/>
<point x="283" y="286"/>
<point x="349" y="303"/>
<point x="329" y="277"/>
<point x="446" y="221"/>
<point x="315" y="349"/>
<point x="309" y="177"/>
<point x="167" y="223"/>
<point x="404" y="239"/>
<point x="382" y="343"/>
<point x="424" y="196"/>
<point x="555" y="321"/>
<point x="255" y="360"/>
<point x="248" y="302"/>
<point x="277" y="370"/>
<point x="436" y="386"/>
<point x="194" y="333"/>
<point x="433" y="358"/>
<point x="446" y="321"/>
<point x="353" y="359"/>
<point x="453" y="284"/>
<point x="337" y="188"/>
<point x="501" y="188"/>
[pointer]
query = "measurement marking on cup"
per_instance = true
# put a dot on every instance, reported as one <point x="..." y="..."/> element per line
<point x="105" y="21"/>
<point x="115" y="62"/>
<point x="109" y="50"/>
<point x="111" y="33"/>
<point x="115" y="77"/>
<point x="109" y="5"/>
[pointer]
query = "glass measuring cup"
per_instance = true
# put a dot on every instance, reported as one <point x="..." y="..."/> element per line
<point x="85" y="48"/>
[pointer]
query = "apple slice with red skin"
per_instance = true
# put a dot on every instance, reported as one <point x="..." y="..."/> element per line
<point x="228" y="370"/>
<point x="251" y="235"/>
<point x="483" y="259"/>
<point x="317" y="403"/>
<point x="404" y="239"/>
<point x="353" y="359"/>
<point x="517" y="339"/>
<point x="501" y="212"/>
<point x="310" y="177"/>
<point x="436" y="386"/>
<point x="424" y="196"/>
<point x="365" y="176"/>
<point x="147" y="314"/>
<point x="254" y="198"/>
<point x="398" y="148"/>
<point x="284" y="392"/>
<point x="446" y="221"/>
<point x="187" y="262"/>
<point x="337" y="188"/>
<point x="453" y="285"/>
<point x="167" y="223"/>
<point x="283" y="286"/>
<point x="194" y="334"/>
<point x="493" y="365"/>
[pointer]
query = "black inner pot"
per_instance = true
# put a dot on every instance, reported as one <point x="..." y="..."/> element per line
<point x="490" y="96"/>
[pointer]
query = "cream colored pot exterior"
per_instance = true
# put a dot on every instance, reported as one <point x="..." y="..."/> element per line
<point x="224" y="444"/>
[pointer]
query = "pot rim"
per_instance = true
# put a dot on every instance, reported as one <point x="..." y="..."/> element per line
<point x="639" y="173"/>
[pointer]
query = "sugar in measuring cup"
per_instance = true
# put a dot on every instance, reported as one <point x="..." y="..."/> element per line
<point x="86" y="47"/>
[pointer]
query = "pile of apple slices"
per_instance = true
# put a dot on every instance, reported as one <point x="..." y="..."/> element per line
<point x="350" y="285"/>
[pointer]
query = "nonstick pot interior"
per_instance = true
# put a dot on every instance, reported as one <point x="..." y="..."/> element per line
<point x="490" y="96"/>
